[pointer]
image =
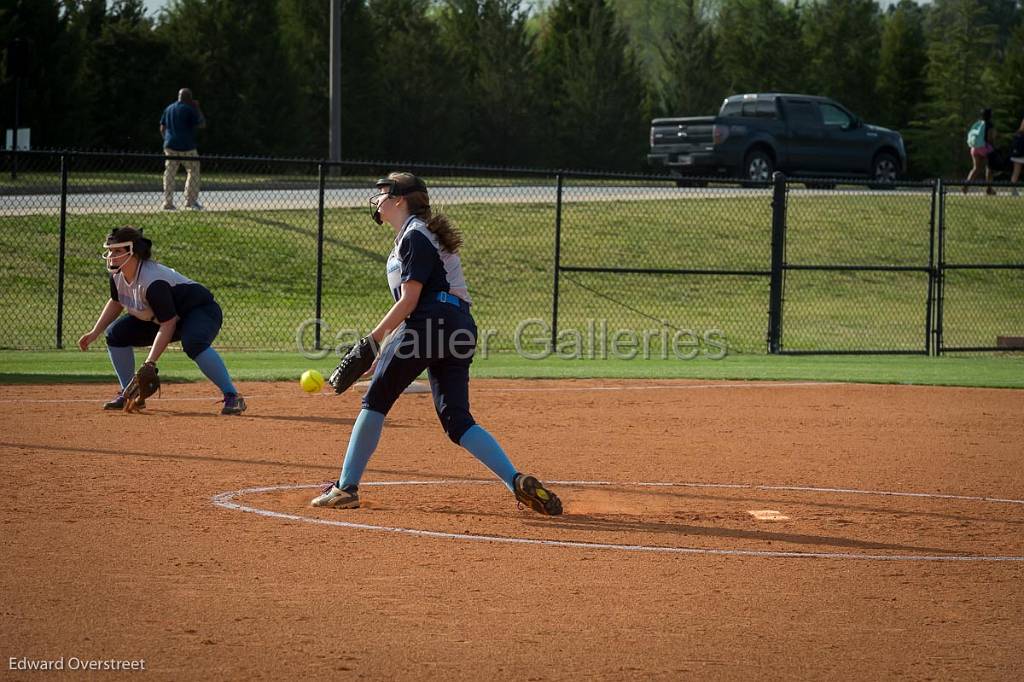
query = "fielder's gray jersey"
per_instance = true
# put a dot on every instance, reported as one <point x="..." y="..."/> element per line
<point x="158" y="292"/>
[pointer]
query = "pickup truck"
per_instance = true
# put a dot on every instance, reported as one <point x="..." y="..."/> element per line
<point x="754" y="135"/>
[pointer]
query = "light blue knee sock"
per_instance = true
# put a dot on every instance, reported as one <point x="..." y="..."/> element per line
<point x="481" y="443"/>
<point x="361" y="444"/>
<point x="123" y="359"/>
<point x="212" y="366"/>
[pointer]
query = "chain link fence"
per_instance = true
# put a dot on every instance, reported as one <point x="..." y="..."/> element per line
<point x="280" y="243"/>
<point x="683" y="265"/>
<point x="858" y="268"/>
<point x="568" y="261"/>
<point x="982" y="272"/>
<point x="30" y="237"/>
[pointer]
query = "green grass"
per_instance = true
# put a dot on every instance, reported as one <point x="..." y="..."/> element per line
<point x="986" y="371"/>
<point x="108" y="181"/>
<point x="261" y="265"/>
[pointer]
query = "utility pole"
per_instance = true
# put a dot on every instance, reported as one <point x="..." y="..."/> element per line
<point x="17" y="68"/>
<point x="335" y="85"/>
<point x="17" y="122"/>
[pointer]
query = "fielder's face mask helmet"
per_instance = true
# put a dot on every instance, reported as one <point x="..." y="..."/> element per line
<point x="115" y="257"/>
<point x="116" y="260"/>
<point x="395" y="185"/>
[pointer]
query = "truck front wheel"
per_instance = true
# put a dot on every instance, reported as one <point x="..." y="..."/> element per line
<point x="758" y="166"/>
<point x="885" y="168"/>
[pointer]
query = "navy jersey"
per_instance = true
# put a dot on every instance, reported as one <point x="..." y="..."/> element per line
<point x="158" y="293"/>
<point x="419" y="256"/>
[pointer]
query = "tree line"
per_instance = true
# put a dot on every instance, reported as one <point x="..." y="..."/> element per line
<point x="552" y="83"/>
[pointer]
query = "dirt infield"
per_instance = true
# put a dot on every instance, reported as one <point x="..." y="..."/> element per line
<point x="133" y="536"/>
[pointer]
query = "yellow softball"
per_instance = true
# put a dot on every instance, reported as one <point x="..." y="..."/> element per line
<point x="311" y="381"/>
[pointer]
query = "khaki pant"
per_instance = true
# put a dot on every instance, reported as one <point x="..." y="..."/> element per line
<point x="191" y="179"/>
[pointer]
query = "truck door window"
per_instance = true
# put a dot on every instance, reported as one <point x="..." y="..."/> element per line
<point x="803" y="114"/>
<point x="749" y="108"/>
<point x="834" y="116"/>
<point x="766" y="108"/>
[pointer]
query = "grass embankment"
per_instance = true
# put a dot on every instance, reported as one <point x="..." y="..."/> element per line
<point x="261" y="264"/>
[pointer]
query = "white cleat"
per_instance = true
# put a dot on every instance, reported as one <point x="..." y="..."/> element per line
<point x="333" y="496"/>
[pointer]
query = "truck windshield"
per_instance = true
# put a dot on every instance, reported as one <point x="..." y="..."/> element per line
<point x="732" y="108"/>
<point x="748" y="108"/>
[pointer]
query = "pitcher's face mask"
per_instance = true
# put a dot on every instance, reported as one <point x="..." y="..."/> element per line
<point x="383" y="192"/>
<point x="399" y="186"/>
<point x="116" y="255"/>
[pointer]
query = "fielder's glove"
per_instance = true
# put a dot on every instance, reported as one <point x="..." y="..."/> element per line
<point x="353" y="365"/>
<point x="144" y="384"/>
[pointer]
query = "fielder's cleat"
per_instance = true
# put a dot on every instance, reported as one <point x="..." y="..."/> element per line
<point x="170" y="207"/>
<point x="233" y="404"/>
<point x="532" y="493"/>
<point x="195" y="207"/>
<point x="119" y="401"/>
<point x="335" y="497"/>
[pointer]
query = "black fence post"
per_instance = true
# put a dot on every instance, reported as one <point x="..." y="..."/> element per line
<point x="778" y="263"/>
<point x="319" y="252"/>
<point x="929" y="307"/>
<point x="64" y="160"/>
<point x="558" y="258"/>
<point x="940" y="270"/>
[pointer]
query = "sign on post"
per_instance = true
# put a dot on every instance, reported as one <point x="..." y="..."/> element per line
<point x="24" y="139"/>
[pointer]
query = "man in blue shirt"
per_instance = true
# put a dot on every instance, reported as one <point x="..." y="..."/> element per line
<point x="178" y="127"/>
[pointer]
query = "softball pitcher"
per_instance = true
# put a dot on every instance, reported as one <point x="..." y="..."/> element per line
<point x="163" y="306"/>
<point x="433" y="331"/>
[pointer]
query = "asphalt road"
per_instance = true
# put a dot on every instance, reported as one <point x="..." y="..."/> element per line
<point x="297" y="199"/>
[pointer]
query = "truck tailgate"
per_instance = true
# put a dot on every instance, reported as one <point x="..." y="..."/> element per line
<point x="682" y="135"/>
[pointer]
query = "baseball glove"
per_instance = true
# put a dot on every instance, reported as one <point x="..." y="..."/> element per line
<point x="355" y="363"/>
<point x="145" y="383"/>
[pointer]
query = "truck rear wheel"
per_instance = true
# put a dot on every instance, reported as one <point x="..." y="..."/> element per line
<point x="758" y="166"/>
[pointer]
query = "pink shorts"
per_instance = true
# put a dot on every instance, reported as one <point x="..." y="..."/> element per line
<point x="982" y="152"/>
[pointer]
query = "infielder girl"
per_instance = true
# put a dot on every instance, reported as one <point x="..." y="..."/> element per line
<point x="433" y="330"/>
<point x="163" y="306"/>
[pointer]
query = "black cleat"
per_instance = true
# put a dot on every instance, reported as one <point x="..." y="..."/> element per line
<point x="532" y="493"/>
<point x="118" y="403"/>
<point x="233" y="404"/>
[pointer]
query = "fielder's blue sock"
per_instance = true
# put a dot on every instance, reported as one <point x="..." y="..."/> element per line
<point x="481" y="443"/>
<point x="212" y="366"/>
<point x="123" y="359"/>
<point x="361" y="444"/>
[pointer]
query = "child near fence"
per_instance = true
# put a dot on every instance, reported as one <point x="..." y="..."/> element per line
<point x="1017" y="155"/>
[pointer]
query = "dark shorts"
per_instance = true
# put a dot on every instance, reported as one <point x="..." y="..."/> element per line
<point x="196" y="330"/>
<point x="443" y="344"/>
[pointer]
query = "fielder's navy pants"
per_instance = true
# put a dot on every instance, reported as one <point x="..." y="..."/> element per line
<point x="196" y="330"/>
